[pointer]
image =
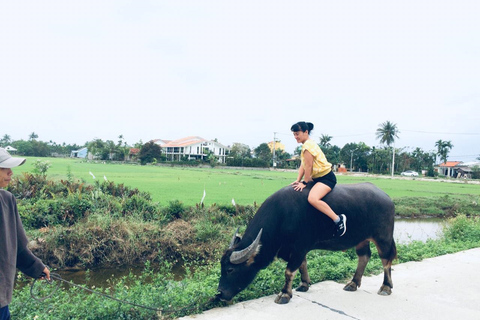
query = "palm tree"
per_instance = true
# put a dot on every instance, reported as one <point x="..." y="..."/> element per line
<point x="33" y="136"/>
<point x="6" y="140"/>
<point x="387" y="132"/>
<point x="443" y="148"/>
<point x="325" y="140"/>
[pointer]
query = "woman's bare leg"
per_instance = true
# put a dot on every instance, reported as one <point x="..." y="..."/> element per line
<point x="318" y="191"/>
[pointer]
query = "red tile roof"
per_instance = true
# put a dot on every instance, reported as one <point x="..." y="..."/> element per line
<point x="183" y="142"/>
<point x="450" y="164"/>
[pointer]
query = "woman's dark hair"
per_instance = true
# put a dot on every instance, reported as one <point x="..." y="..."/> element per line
<point x="302" y="126"/>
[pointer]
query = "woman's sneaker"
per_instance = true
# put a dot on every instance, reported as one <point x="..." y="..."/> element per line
<point x="341" y="226"/>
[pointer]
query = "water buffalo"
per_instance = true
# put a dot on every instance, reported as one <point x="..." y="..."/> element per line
<point x="288" y="227"/>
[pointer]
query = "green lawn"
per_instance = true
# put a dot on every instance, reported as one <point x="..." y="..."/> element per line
<point x="222" y="185"/>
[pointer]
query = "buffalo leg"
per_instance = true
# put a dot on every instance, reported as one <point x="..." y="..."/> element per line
<point x="364" y="253"/>
<point x="387" y="252"/>
<point x="306" y="282"/>
<point x="286" y="294"/>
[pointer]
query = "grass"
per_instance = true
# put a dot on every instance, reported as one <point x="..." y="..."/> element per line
<point x="202" y="234"/>
<point x="159" y="289"/>
<point x="166" y="183"/>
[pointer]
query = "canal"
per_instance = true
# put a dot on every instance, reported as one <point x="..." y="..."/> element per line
<point x="406" y="230"/>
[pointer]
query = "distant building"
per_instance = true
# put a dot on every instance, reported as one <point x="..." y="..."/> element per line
<point x="457" y="169"/>
<point x="193" y="148"/>
<point x="278" y="145"/>
<point x="132" y="154"/>
<point x="11" y="149"/>
<point x="81" y="153"/>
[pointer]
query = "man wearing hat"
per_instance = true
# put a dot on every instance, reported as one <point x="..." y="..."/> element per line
<point x="13" y="240"/>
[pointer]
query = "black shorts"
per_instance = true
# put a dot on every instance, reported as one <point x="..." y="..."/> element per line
<point x="329" y="180"/>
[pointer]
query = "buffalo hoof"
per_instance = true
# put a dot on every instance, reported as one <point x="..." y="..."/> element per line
<point x="385" y="290"/>
<point x="351" y="286"/>
<point x="303" y="288"/>
<point x="282" y="298"/>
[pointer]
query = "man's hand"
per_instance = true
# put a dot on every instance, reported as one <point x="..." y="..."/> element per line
<point x="46" y="273"/>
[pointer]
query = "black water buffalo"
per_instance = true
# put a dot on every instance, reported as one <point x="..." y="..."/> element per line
<point x="288" y="227"/>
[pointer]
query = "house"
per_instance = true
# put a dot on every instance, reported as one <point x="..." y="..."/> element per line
<point x="457" y="169"/>
<point x="193" y="148"/>
<point x="449" y="168"/>
<point x="81" y="153"/>
<point x="132" y="154"/>
<point x="11" y="149"/>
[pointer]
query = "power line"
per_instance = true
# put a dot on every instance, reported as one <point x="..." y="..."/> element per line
<point x="431" y="132"/>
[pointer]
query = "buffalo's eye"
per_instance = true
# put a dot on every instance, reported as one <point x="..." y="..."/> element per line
<point x="229" y="270"/>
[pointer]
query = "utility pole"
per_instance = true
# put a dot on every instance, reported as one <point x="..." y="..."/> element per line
<point x="274" y="140"/>
<point x="393" y="159"/>
<point x="351" y="160"/>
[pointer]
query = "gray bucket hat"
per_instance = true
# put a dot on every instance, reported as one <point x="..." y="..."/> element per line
<point x="7" y="161"/>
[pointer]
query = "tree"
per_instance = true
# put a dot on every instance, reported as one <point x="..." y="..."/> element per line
<point x="332" y="153"/>
<point x="387" y="132"/>
<point x="263" y="152"/>
<point x="96" y="148"/>
<point x="355" y="154"/>
<point x="281" y="158"/>
<point x="150" y="152"/>
<point x="325" y="140"/>
<point x="240" y="150"/>
<point x="6" y="140"/>
<point x="443" y="149"/>
<point x="33" y="136"/>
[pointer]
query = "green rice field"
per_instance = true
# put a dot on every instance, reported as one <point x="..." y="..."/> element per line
<point x="221" y="185"/>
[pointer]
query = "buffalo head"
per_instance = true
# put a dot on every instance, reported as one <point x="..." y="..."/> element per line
<point x="238" y="267"/>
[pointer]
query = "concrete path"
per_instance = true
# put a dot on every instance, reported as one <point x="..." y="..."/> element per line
<point x="446" y="287"/>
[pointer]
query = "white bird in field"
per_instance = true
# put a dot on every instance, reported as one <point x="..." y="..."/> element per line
<point x="203" y="198"/>
<point x="92" y="174"/>
<point x="105" y="178"/>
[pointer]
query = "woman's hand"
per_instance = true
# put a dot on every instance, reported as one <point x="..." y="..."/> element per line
<point x="298" y="186"/>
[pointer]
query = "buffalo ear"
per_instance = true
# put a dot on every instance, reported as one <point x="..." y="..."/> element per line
<point x="252" y="257"/>
<point x="236" y="239"/>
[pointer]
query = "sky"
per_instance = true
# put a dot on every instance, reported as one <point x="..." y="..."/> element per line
<point x="242" y="71"/>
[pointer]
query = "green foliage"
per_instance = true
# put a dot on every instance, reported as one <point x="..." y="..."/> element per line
<point x="174" y="210"/>
<point x="150" y="152"/>
<point x="41" y="167"/>
<point x="446" y="206"/>
<point x="207" y="230"/>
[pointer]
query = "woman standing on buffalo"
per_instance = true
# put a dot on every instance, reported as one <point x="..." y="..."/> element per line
<point x="315" y="168"/>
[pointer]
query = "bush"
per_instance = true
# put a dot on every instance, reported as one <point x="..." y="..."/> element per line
<point x="174" y="210"/>
<point x="48" y="212"/>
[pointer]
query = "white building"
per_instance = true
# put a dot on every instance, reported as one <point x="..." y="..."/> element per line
<point x="81" y="153"/>
<point x="194" y="148"/>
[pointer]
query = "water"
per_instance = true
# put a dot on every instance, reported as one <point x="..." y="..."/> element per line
<point x="406" y="230"/>
<point x="103" y="277"/>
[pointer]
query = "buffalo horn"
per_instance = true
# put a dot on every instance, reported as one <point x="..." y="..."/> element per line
<point x="233" y="239"/>
<point x="238" y="257"/>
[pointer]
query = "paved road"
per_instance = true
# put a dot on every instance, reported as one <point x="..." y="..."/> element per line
<point x="446" y="287"/>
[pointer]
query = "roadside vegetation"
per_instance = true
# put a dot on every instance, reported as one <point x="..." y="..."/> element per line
<point x="75" y="224"/>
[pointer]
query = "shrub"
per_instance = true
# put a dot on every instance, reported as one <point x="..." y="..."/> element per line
<point x="174" y="210"/>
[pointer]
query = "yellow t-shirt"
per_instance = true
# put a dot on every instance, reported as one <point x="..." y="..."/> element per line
<point x="320" y="164"/>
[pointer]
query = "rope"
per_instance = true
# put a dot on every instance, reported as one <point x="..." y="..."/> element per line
<point x="56" y="276"/>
